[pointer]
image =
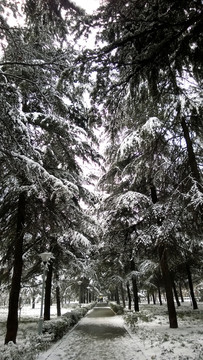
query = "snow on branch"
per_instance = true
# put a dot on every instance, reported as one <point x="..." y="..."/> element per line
<point x="132" y="200"/>
<point x="75" y="238"/>
<point x="128" y="145"/>
<point x="152" y="126"/>
<point x="196" y="195"/>
<point x="58" y="186"/>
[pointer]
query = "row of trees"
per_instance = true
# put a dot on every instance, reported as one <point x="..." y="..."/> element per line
<point x="45" y="140"/>
<point x="149" y="76"/>
<point x="144" y="86"/>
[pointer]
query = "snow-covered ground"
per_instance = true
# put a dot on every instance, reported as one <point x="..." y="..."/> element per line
<point x="150" y="338"/>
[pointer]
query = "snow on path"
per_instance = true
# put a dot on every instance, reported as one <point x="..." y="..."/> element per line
<point x="96" y="337"/>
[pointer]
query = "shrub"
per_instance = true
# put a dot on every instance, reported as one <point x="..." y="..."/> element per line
<point x="53" y="330"/>
<point x="118" y="309"/>
<point x="60" y="326"/>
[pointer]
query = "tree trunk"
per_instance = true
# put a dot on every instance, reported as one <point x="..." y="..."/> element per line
<point x="117" y="296"/>
<point x="165" y="270"/>
<point x="194" y="302"/>
<point x="168" y="287"/>
<point x="135" y="293"/>
<point x="58" y="300"/>
<point x="33" y="301"/>
<point x="47" y="299"/>
<point x="122" y="295"/>
<point x="58" y="295"/>
<point x="129" y="296"/>
<point x="159" y="295"/>
<point x="175" y="293"/>
<point x="135" y="290"/>
<point x="154" y="298"/>
<point x="190" y="151"/>
<point x="181" y="293"/>
<point x="12" y="320"/>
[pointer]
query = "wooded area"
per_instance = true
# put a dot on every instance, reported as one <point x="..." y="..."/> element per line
<point x="123" y="215"/>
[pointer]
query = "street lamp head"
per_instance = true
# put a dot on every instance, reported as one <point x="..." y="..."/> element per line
<point x="46" y="256"/>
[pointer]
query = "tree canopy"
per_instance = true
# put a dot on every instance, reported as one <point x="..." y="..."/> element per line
<point x="141" y="85"/>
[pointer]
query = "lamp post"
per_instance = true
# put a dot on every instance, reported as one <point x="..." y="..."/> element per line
<point x="79" y="283"/>
<point x="46" y="256"/>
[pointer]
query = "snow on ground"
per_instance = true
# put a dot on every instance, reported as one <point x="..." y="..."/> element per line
<point x="158" y="341"/>
<point x="150" y="338"/>
<point x="28" y="320"/>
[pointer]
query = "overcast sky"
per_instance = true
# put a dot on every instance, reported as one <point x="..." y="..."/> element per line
<point x="88" y="5"/>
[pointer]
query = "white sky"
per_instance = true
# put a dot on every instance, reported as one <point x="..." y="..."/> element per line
<point x="88" y="5"/>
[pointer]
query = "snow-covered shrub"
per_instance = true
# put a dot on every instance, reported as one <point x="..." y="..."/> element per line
<point x="118" y="309"/>
<point x="131" y="319"/>
<point x="26" y="351"/>
<point x="58" y="327"/>
<point x="31" y="346"/>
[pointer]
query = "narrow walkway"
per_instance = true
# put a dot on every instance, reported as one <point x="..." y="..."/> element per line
<point x="100" y="335"/>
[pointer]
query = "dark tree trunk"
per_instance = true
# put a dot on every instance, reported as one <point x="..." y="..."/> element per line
<point x="175" y="293"/>
<point x="194" y="302"/>
<point x="181" y="293"/>
<point x="159" y="295"/>
<point x="135" y="293"/>
<point x="82" y="294"/>
<point x="165" y="270"/>
<point x="148" y="298"/>
<point x="190" y="151"/>
<point x="117" y="296"/>
<point x="58" y="295"/>
<point x="122" y="295"/>
<point x="12" y="320"/>
<point x="33" y="301"/>
<point x="154" y="298"/>
<point x="47" y="299"/>
<point x="168" y="287"/>
<point x="58" y="300"/>
<point x="129" y="296"/>
<point x="135" y="289"/>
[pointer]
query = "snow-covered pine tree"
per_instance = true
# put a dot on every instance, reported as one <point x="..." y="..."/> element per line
<point x="149" y="75"/>
<point x="45" y="136"/>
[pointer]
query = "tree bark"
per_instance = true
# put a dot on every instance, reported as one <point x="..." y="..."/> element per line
<point x="194" y="302"/>
<point x="159" y="295"/>
<point x="191" y="155"/>
<point x="168" y="287"/>
<point x="58" y="295"/>
<point x="154" y="298"/>
<point x="165" y="270"/>
<point x="175" y="293"/>
<point x="135" y="289"/>
<point x="181" y="293"/>
<point x="12" y="320"/>
<point x="135" y="293"/>
<point x="58" y="300"/>
<point x="47" y="299"/>
<point x="122" y="295"/>
<point x="117" y="296"/>
<point x="129" y="296"/>
<point x="148" y="298"/>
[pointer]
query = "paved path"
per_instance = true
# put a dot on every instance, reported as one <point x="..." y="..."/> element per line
<point x="100" y="335"/>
